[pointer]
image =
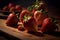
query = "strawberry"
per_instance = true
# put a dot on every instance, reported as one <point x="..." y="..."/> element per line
<point x="5" y="8"/>
<point x="18" y="7"/>
<point x="24" y="12"/>
<point x="47" y="26"/>
<point x="31" y="25"/>
<point x="21" y="28"/>
<point x="10" y="5"/>
<point x="11" y="20"/>
<point x="39" y="17"/>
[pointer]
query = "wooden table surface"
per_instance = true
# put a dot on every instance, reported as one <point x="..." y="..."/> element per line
<point x="27" y="36"/>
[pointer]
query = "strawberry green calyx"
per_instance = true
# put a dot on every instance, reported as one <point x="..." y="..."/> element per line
<point x="34" y="6"/>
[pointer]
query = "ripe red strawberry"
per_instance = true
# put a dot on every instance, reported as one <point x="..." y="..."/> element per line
<point x="39" y="17"/>
<point x="5" y="8"/>
<point x="24" y="12"/>
<point x="18" y="7"/>
<point x="11" y="20"/>
<point x="47" y="26"/>
<point x="21" y="28"/>
<point x="31" y="25"/>
<point x="10" y="5"/>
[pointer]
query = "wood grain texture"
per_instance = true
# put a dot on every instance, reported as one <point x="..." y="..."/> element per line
<point x="23" y="35"/>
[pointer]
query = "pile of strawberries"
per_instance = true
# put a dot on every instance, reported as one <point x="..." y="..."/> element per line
<point x="11" y="7"/>
<point x="33" y="18"/>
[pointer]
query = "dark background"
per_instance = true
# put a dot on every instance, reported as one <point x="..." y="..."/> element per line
<point x="26" y="3"/>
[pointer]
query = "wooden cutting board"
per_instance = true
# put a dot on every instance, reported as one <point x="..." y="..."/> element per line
<point x="26" y="36"/>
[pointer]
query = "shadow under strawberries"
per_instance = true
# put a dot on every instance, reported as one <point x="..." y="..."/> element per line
<point x="36" y="33"/>
<point x="14" y="26"/>
<point x="55" y="33"/>
<point x="3" y="16"/>
<point x="7" y="36"/>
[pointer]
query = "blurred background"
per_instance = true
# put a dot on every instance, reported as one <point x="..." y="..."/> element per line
<point x="25" y="3"/>
<point x="54" y="3"/>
